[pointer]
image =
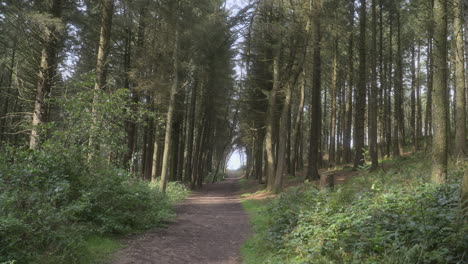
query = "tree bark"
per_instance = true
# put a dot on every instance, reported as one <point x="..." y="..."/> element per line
<point x="170" y="110"/>
<point x="349" y="90"/>
<point x="460" y="101"/>
<point x="333" y="95"/>
<point x="439" y="118"/>
<point x="372" y="110"/>
<point x="413" y="98"/>
<point x="297" y="128"/>
<point x="46" y="74"/>
<point x="430" y="87"/>
<point x="316" y="107"/>
<point x="360" y="95"/>
<point x="101" y="63"/>
<point x="190" y="129"/>
<point x="269" y="137"/>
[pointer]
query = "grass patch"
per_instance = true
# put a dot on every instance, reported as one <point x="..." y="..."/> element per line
<point x="100" y="249"/>
<point x="255" y="250"/>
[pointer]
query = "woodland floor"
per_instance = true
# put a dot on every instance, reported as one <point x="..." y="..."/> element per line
<point x="210" y="228"/>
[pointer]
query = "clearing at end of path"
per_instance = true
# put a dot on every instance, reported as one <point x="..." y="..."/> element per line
<point x="210" y="228"/>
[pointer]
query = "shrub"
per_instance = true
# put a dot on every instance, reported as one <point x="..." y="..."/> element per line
<point x="51" y="199"/>
<point x="391" y="217"/>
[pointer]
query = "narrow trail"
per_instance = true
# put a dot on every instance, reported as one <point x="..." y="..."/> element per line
<point x="210" y="228"/>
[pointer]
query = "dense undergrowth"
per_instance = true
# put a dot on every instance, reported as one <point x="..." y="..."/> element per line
<point x="56" y="207"/>
<point x="391" y="216"/>
<point x="65" y="202"/>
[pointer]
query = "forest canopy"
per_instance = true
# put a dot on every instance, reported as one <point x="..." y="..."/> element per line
<point x="144" y="99"/>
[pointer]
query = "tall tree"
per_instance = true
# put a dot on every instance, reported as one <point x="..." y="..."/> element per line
<point x="333" y="109"/>
<point x="360" y="95"/>
<point x="349" y="89"/>
<point x="316" y="104"/>
<point x="47" y="71"/>
<point x="460" y="101"/>
<point x="439" y="117"/>
<point x="373" y="92"/>
<point x="172" y="101"/>
<point x="102" y="62"/>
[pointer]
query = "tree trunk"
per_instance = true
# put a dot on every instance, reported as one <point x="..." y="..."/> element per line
<point x="316" y="107"/>
<point x="46" y="74"/>
<point x="132" y="133"/>
<point x="349" y="90"/>
<point x="360" y="95"/>
<point x="269" y="137"/>
<point x="439" y="118"/>
<point x="389" y="136"/>
<point x="430" y="87"/>
<point x="413" y="98"/>
<point x="101" y="63"/>
<point x="464" y="194"/>
<point x="6" y="102"/>
<point x="190" y="129"/>
<point x="418" y="100"/>
<point x="397" y="109"/>
<point x="297" y="128"/>
<point x="170" y="110"/>
<point x="372" y="110"/>
<point x="282" y="144"/>
<point x="333" y="95"/>
<point x="460" y="101"/>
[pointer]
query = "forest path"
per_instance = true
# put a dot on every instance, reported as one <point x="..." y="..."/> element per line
<point x="210" y="228"/>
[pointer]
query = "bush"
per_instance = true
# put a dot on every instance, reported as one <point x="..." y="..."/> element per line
<point x="52" y="199"/>
<point x="391" y="217"/>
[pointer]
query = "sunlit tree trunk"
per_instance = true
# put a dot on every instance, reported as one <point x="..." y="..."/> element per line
<point x="282" y="144"/>
<point x="102" y="61"/>
<point x="46" y="74"/>
<point x="269" y="137"/>
<point x="170" y="110"/>
<point x="297" y="127"/>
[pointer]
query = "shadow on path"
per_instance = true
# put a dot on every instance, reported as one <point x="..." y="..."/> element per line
<point x="210" y="228"/>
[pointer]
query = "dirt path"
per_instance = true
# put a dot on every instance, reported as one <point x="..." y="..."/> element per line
<point x="210" y="228"/>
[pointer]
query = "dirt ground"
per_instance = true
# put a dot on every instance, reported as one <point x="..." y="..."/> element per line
<point x="210" y="228"/>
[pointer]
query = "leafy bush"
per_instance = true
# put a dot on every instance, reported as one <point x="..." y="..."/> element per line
<point x="51" y="199"/>
<point x="391" y="217"/>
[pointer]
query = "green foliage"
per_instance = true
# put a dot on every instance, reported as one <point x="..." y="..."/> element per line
<point x="102" y="120"/>
<point x="382" y="217"/>
<point x="97" y="249"/>
<point x="52" y="199"/>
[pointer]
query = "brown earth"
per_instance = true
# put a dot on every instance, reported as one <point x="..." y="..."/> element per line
<point x="210" y="228"/>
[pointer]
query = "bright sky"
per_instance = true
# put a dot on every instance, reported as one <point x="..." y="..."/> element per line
<point x="236" y="160"/>
<point x="238" y="157"/>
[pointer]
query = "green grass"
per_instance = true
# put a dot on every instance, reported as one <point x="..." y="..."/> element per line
<point x="100" y="249"/>
<point x="254" y="250"/>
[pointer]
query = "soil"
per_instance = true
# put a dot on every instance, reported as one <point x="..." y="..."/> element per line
<point x="210" y="228"/>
